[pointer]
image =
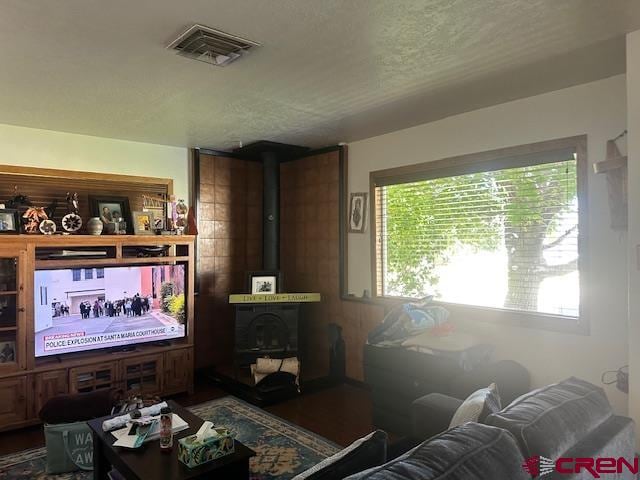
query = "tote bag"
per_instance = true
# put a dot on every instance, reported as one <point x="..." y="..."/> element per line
<point x="69" y="447"/>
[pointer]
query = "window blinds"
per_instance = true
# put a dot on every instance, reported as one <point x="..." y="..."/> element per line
<point x="504" y="238"/>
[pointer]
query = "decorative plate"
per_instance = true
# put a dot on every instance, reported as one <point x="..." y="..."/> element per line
<point x="71" y="222"/>
<point x="48" y="227"/>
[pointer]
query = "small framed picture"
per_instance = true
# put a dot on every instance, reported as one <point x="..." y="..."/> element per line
<point x="114" y="213"/>
<point x="143" y="223"/>
<point x="358" y="209"/>
<point x="266" y="282"/>
<point x="7" y="352"/>
<point x="9" y="221"/>
<point x="158" y="221"/>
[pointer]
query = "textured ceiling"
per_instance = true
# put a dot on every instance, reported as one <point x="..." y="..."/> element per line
<point x="328" y="70"/>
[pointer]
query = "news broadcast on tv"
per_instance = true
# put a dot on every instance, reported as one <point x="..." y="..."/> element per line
<point x="91" y="308"/>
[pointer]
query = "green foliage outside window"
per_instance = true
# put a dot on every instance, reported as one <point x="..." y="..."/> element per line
<point x="517" y="209"/>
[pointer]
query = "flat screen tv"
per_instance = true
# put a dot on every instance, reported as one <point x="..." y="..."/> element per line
<point x="83" y="309"/>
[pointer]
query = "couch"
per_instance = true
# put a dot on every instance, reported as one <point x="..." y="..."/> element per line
<point x="398" y="375"/>
<point x="571" y="419"/>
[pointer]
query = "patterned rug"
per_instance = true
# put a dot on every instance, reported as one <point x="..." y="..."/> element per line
<point x="282" y="449"/>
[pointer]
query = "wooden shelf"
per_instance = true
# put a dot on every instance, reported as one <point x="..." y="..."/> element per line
<point x="133" y="260"/>
<point x="8" y="292"/>
<point x="95" y="240"/>
<point x="75" y="262"/>
<point x="78" y="359"/>
<point x="89" y="262"/>
<point x="8" y="329"/>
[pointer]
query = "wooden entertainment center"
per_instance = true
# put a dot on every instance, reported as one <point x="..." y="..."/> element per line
<point x="27" y="382"/>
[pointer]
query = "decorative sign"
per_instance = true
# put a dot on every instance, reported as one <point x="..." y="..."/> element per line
<point x="275" y="298"/>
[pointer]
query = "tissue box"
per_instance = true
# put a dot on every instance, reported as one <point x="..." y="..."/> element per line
<point x="193" y="453"/>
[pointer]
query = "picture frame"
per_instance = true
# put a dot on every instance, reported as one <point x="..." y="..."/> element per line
<point x="113" y="212"/>
<point x="9" y="221"/>
<point x="143" y="223"/>
<point x="358" y="212"/>
<point x="7" y="351"/>
<point x="265" y="282"/>
<point x="159" y="221"/>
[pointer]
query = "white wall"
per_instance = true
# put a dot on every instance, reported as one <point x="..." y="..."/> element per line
<point x="633" y="116"/>
<point x="597" y="109"/>
<point x="33" y="147"/>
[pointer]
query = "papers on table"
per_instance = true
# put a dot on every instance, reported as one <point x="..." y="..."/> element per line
<point x="123" y="439"/>
<point x="117" y="422"/>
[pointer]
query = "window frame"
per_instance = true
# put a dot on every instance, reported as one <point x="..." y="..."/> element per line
<point x="509" y="157"/>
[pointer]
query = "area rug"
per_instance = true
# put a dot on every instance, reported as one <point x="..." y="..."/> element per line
<point x="282" y="449"/>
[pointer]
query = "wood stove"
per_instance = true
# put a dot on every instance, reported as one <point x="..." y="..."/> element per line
<point x="266" y="330"/>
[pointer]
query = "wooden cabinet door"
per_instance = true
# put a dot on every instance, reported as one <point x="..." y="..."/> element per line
<point x="49" y="385"/>
<point x="93" y="377"/>
<point x="142" y="374"/>
<point x="13" y="323"/>
<point x="178" y="371"/>
<point x="13" y="400"/>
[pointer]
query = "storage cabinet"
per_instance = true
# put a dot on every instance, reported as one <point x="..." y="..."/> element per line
<point x="178" y="371"/>
<point x="13" y="400"/>
<point x="142" y="374"/>
<point x="28" y="381"/>
<point x="47" y="386"/>
<point x="93" y="377"/>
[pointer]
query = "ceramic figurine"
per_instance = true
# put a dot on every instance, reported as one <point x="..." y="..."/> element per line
<point x="47" y="227"/>
<point x="72" y="202"/>
<point x="72" y="222"/>
<point x="32" y="219"/>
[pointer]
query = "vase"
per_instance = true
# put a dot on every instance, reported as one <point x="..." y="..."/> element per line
<point x="94" y="226"/>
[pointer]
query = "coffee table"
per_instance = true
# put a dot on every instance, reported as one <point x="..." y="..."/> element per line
<point x="148" y="462"/>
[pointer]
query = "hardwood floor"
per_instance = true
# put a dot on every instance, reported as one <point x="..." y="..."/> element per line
<point x="341" y="414"/>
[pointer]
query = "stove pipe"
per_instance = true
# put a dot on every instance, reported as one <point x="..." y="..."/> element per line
<point x="270" y="154"/>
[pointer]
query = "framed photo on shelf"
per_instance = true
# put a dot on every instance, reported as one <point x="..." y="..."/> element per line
<point x="7" y="352"/>
<point x="114" y="213"/>
<point x="143" y="223"/>
<point x="9" y="220"/>
<point x="264" y="282"/>
<point x="358" y="209"/>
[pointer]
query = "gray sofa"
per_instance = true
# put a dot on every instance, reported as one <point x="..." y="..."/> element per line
<point x="570" y="419"/>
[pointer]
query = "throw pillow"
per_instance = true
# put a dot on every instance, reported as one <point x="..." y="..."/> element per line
<point x="365" y="453"/>
<point x="478" y="406"/>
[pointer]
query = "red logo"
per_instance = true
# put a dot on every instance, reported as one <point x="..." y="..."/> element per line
<point x="540" y="466"/>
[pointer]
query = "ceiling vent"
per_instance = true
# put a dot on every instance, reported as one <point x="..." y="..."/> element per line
<point x="211" y="46"/>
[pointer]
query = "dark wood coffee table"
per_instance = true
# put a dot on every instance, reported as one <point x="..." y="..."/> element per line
<point x="148" y="462"/>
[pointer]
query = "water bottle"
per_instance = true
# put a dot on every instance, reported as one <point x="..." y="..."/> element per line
<point x="166" y="430"/>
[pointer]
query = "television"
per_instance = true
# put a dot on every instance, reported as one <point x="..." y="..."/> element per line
<point x="80" y="309"/>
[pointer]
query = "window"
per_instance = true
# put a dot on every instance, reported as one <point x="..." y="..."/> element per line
<point x="88" y="273"/>
<point x="99" y="272"/>
<point x="76" y="274"/>
<point x="499" y="232"/>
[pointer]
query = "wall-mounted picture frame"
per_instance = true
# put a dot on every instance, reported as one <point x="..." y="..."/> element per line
<point x="143" y="223"/>
<point x="358" y="211"/>
<point x="114" y="213"/>
<point x="9" y="221"/>
<point x="264" y="282"/>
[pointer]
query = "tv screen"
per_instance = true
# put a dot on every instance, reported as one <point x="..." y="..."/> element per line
<point x="89" y="308"/>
